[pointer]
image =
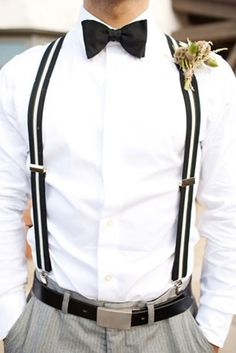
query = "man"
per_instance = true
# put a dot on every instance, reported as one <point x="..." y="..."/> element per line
<point x="114" y="126"/>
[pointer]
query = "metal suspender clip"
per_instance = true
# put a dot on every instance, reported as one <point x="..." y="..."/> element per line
<point x="187" y="182"/>
<point x="37" y="168"/>
<point x="44" y="277"/>
<point x="178" y="286"/>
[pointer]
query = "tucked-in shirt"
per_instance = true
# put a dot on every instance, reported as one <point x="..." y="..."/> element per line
<point x="113" y="139"/>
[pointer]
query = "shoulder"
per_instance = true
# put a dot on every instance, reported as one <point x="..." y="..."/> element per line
<point x="217" y="86"/>
<point x="17" y="78"/>
<point x="219" y="78"/>
<point x="217" y="90"/>
<point x="223" y="74"/>
<point x="22" y="68"/>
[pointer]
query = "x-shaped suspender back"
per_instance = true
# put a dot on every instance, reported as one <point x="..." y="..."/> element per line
<point x="38" y="171"/>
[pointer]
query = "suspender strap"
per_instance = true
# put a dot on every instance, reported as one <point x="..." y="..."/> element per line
<point x="193" y="119"/>
<point x="38" y="172"/>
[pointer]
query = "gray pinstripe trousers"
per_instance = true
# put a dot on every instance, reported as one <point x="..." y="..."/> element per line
<point x="43" y="329"/>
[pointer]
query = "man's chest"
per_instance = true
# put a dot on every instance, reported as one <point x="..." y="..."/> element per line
<point x="130" y="111"/>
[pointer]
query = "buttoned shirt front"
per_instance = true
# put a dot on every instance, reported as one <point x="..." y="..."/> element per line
<point x="113" y="131"/>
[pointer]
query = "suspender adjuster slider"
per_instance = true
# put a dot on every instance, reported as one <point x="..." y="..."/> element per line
<point x="37" y="168"/>
<point x="187" y="182"/>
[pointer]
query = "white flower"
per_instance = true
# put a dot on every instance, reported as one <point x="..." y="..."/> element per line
<point x="192" y="55"/>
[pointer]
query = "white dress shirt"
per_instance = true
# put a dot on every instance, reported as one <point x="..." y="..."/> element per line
<point x="114" y="131"/>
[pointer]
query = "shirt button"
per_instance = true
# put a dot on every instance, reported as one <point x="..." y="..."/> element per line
<point x="109" y="223"/>
<point x="108" y="278"/>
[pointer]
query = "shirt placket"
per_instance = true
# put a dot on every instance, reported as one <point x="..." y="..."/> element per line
<point x="108" y="238"/>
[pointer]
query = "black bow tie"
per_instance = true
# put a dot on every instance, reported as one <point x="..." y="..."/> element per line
<point x="132" y="37"/>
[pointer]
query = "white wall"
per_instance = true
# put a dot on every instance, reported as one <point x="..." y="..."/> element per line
<point x="60" y="15"/>
<point x="166" y="19"/>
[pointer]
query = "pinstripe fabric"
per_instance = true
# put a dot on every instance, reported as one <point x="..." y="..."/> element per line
<point x="43" y="329"/>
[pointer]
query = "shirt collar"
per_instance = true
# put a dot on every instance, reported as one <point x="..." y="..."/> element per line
<point x="85" y="15"/>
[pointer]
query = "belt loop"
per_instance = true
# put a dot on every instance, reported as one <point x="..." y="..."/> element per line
<point x="151" y="314"/>
<point x="65" y="303"/>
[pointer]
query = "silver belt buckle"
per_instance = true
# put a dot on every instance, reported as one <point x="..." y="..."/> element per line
<point x="114" y="318"/>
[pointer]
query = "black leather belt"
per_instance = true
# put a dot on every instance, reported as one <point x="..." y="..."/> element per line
<point x="115" y="318"/>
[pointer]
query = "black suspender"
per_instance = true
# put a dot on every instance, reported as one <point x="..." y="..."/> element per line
<point x="38" y="172"/>
<point x="193" y="116"/>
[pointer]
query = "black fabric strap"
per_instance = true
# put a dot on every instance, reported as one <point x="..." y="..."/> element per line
<point x="38" y="173"/>
<point x="193" y="120"/>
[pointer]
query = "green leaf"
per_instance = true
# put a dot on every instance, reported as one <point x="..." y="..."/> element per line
<point x="193" y="48"/>
<point x="181" y="64"/>
<point x="187" y="84"/>
<point x="211" y="62"/>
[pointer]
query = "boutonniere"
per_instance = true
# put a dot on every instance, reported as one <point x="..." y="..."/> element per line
<point x="192" y="55"/>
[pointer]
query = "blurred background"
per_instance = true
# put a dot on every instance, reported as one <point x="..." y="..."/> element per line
<point x="25" y="23"/>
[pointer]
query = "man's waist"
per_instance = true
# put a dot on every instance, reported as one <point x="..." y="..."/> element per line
<point x="111" y="283"/>
<point x="110" y="314"/>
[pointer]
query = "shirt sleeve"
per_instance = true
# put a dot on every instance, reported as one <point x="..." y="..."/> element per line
<point x="217" y="196"/>
<point x="14" y="192"/>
